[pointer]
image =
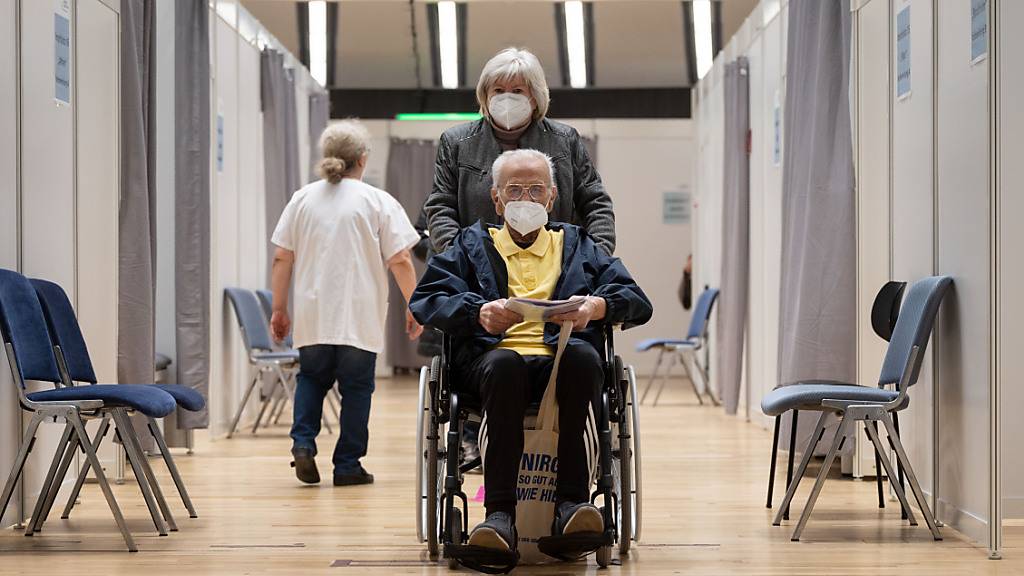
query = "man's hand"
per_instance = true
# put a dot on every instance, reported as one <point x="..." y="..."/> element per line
<point x="593" y="309"/>
<point x="412" y="327"/>
<point x="496" y="319"/>
<point x="280" y="325"/>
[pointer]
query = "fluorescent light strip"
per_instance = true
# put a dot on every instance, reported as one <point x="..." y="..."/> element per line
<point x="447" y="27"/>
<point x="702" y="35"/>
<point x="576" y="44"/>
<point x="318" y="41"/>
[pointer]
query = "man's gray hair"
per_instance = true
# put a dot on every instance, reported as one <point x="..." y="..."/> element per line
<point x="517" y="156"/>
<point x="514" y="63"/>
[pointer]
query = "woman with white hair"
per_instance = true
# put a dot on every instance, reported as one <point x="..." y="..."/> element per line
<point x="513" y="97"/>
<point x="339" y="236"/>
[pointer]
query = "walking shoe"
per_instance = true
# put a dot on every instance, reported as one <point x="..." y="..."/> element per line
<point x="305" y="465"/>
<point x="573" y="518"/>
<point x="361" y="477"/>
<point x="497" y="532"/>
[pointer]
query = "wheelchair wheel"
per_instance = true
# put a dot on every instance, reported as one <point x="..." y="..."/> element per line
<point x="634" y="419"/>
<point x="455" y="536"/>
<point x="428" y="466"/>
<point x="622" y="467"/>
<point x="604" y="556"/>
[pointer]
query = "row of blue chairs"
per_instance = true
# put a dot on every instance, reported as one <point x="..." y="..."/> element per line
<point x="43" y="342"/>
<point x="279" y="362"/>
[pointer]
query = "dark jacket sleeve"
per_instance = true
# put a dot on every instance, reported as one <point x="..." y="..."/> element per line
<point x="593" y="205"/>
<point x="626" y="303"/>
<point x="442" y="204"/>
<point x="443" y="299"/>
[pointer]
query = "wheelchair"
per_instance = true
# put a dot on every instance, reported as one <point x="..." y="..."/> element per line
<point x="442" y="514"/>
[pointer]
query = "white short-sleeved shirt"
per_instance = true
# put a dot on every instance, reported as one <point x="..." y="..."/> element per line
<point x="342" y="235"/>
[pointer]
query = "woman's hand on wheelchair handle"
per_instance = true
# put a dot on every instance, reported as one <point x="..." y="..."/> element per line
<point x="496" y="319"/>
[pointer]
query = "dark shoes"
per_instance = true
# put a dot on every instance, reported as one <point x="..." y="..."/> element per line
<point x="361" y="477"/>
<point x="305" y="466"/>
<point x="497" y="532"/>
<point x="582" y="518"/>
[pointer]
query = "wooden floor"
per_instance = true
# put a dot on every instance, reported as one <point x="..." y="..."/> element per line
<point x="704" y="513"/>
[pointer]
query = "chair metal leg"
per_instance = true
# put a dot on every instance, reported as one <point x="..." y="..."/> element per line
<point x="775" y="453"/>
<point x="125" y="431"/>
<point x="899" y="466"/>
<point x="900" y="493"/>
<point x="19" y="463"/>
<point x="51" y="473"/>
<point x="791" y="455"/>
<point x="819" y="428"/>
<point x="277" y="408"/>
<point x="822" y="475"/>
<point x="101" y="478"/>
<point x="693" y="384"/>
<point x="241" y="405"/>
<point x="84" y="472"/>
<point x="878" y="467"/>
<point x="171" y="467"/>
<point x="654" y="375"/>
<point x="664" y="377"/>
<point x="58" y="480"/>
<point x="158" y="493"/>
<point x="264" y="404"/>
<point x="915" y="486"/>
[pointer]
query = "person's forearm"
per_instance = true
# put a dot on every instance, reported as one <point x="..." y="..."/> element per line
<point x="280" y="281"/>
<point x="405" y="275"/>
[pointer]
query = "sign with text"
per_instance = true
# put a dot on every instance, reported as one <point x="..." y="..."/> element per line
<point x="903" y="53"/>
<point x="62" y="52"/>
<point x="979" y="30"/>
<point x="675" y="206"/>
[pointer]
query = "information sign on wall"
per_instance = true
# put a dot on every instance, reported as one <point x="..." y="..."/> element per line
<point x="903" y="53"/>
<point x="979" y="30"/>
<point x="62" y="51"/>
<point x="675" y="206"/>
<point x="220" y="143"/>
<point x="777" y="131"/>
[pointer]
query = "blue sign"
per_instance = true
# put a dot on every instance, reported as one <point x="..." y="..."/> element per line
<point x="220" y="143"/>
<point x="777" y="128"/>
<point x="979" y="30"/>
<point x="62" y="58"/>
<point x="903" y="53"/>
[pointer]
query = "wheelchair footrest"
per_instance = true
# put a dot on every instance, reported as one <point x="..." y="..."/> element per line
<point x="571" y="547"/>
<point x="486" y="560"/>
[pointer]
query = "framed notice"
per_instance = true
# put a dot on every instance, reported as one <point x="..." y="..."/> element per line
<point x="979" y="30"/>
<point x="62" y="52"/>
<point x="903" y="53"/>
<point x="675" y="206"/>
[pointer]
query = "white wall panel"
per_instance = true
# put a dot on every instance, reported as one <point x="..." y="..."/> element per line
<point x="913" y="205"/>
<point x="963" y="343"/>
<point x="759" y="156"/>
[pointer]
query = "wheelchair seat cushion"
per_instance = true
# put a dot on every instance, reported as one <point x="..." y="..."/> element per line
<point x="809" y="396"/>
<point x="645" y="345"/>
<point x="146" y="399"/>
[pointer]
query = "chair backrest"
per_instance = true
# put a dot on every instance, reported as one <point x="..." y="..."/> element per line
<point x="64" y="330"/>
<point x="24" y="328"/>
<point x="266" y="298"/>
<point x="920" y="306"/>
<point x="702" y="313"/>
<point x="885" y="311"/>
<point x="251" y="319"/>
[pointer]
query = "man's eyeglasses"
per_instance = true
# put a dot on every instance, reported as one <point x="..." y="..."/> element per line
<point x="537" y="191"/>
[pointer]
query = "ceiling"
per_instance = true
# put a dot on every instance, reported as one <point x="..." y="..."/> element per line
<point x="636" y="43"/>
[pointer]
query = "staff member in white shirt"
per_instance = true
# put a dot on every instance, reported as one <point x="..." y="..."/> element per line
<point x="337" y="234"/>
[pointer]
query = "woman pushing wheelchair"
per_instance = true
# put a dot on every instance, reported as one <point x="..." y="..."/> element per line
<point x="505" y="361"/>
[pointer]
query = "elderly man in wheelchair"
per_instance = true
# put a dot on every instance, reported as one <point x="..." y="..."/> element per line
<point x="506" y="362"/>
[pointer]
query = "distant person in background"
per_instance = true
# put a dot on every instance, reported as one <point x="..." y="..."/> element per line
<point x="513" y="97"/>
<point x="337" y="235"/>
<point x="686" y="285"/>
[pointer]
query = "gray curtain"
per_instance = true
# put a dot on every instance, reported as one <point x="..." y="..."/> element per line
<point x="817" y="312"/>
<point x="293" y="177"/>
<point x="410" y="175"/>
<point x="732" y="306"/>
<point x="136" y="319"/>
<point x="273" y="87"/>
<point x="192" y="203"/>
<point x="319" y="115"/>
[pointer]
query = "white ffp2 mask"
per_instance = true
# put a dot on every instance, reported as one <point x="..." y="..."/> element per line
<point x="525" y="217"/>
<point x="509" y="110"/>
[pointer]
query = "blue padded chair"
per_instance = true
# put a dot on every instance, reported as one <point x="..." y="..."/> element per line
<point x="266" y="298"/>
<point x="901" y="367"/>
<point x="264" y="358"/>
<point x="685" y="349"/>
<point x="31" y="357"/>
<point x="71" y="351"/>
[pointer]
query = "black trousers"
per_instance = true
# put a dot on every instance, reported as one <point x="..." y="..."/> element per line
<point x="507" y="383"/>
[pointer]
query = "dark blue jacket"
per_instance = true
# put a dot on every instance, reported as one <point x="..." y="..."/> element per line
<point x="471" y="273"/>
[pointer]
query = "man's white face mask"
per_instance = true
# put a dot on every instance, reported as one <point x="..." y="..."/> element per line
<point x="509" y="110"/>
<point x="525" y="217"/>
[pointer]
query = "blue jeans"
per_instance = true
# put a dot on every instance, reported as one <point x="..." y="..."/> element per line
<point x="319" y="367"/>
